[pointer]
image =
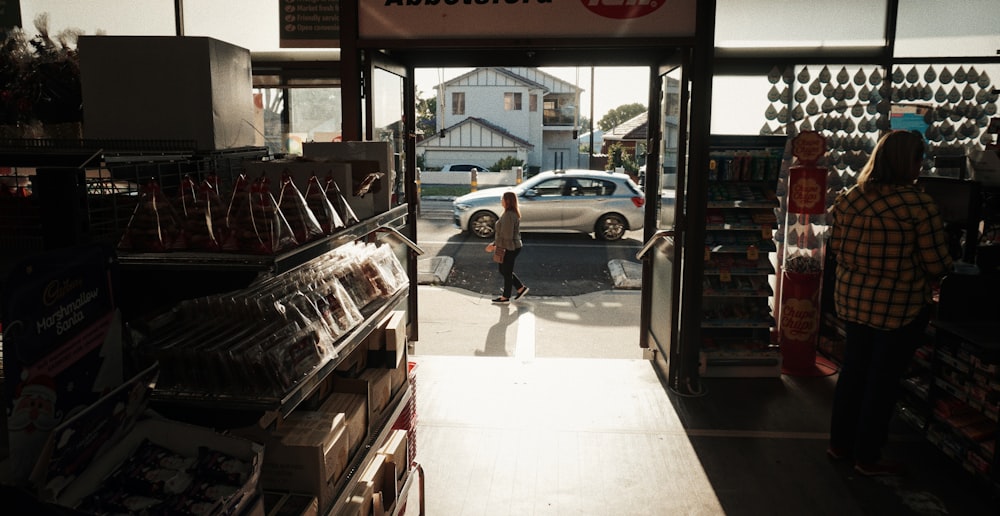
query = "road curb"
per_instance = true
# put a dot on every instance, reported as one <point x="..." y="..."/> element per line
<point x="626" y="275"/>
<point x="434" y="270"/>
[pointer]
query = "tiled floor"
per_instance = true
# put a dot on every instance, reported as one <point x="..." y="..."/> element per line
<point x="545" y="407"/>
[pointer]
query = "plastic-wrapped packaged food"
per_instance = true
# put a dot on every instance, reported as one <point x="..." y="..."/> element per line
<point x="300" y="217"/>
<point x="153" y="226"/>
<point x="336" y="197"/>
<point x="322" y="208"/>
<point x="256" y="225"/>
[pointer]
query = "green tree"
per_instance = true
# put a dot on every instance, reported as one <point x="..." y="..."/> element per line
<point x="619" y="156"/>
<point x="506" y="163"/>
<point x="426" y="109"/>
<point x="620" y="114"/>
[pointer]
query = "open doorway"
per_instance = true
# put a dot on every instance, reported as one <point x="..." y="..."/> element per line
<point x="514" y="123"/>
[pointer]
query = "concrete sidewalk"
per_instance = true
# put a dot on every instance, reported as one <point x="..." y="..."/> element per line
<point x="435" y="269"/>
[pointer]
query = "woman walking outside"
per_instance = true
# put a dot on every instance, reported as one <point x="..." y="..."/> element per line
<point x="507" y="236"/>
<point x="890" y="245"/>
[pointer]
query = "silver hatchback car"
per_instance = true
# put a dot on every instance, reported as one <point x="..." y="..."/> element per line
<point x="586" y="201"/>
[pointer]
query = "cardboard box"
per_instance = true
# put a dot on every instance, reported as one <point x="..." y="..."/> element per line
<point x="290" y="504"/>
<point x="395" y="451"/>
<point x="359" y="500"/>
<point x="307" y="454"/>
<point x="380" y="388"/>
<point x="350" y="399"/>
<point x="387" y="343"/>
<point x="381" y="153"/>
<point x="167" y="88"/>
<point x="355" y="362"/>
<point x="381" y="475"/>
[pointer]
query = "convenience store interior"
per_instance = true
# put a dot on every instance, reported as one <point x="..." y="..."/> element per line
<point x="613" y="436"/>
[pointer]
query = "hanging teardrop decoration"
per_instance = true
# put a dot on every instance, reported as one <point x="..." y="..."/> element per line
<point x="849" y="92"/>
<point x="984" y="80"/>
<point x="927" y="93"/>
<point x="942" y="112"/>
<point x="806" y="125"/>
<point x="947" y="130"/>
<point x="897" y="95"/>
<point x="957" y="112"/>
<point x="863" y="124"/>
<point x="766" y="129"/>
<point x="968" y="92"/>
<point x="774" y="75"/>
<point x="828" y="90"/>
<point x="872" y="108"/>
<point x="930" y="74"/>
<point x="798" y="113"/>
<point x="828" y="105"/>
<point x="974" y="111"/>
<point x="990" y="109"/>
<point x="864" y="94"/>
<point x="825" y="75"/>
<point x="820" y="123"/>
<point x="954" y="95"/>
<point x="842" y="76"/>
<point x="912" y="76"/>
<point x="857" y="110"/>
<point x="803" y="76"/>
<point x="859" y="77"/>
<point x="898" y="76"/>
<point x="982" y="120"/>
<point x="849" y="125"/>
<point x="801" y="95"/>
<point x="945" y="77"/>
<point x="929" y="116"/>
<point x="815" y="87"/>
<point x="884" y="106"/>
<point x="770" y="113"/>
<point x="933" y="133"/>
<point x="841" y="106"/>
<point x="773" y="94"/>
<point x="875" y="79"/>
<point x="812" y="107"/>
<point x="786" y="95"/>
<point x="783" y="115"/>
<point x="838" y="93"/>
<point x="972" y="76"/>
<point x="912" y="92"/>
<point x="940" y="96"/>
<point x="788" y="75"/>
<point x="883" y="123"/>
<point x="982" y="96"/>
<point x="960" y="75"/>
<point x="875" y="96"/>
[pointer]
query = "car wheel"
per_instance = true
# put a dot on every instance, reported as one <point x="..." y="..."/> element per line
<point x="610" y="227"/>
<point x="483" y="224"/>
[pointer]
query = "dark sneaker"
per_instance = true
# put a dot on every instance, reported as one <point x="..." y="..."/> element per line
<point x="836" y="453"/>
<point x="520" y="293"/>
<point x="501" y="301"/>
<point x="880" y="469"/>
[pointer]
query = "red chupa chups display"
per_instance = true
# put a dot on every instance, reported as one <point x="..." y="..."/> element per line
<point x="154" y="227"/>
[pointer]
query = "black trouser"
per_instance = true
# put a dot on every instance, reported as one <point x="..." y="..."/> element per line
<point x="868" y="386"/>
<point x="507" y="271"/>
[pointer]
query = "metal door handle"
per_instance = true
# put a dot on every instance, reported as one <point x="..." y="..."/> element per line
<point x="659" y="235"/>
<point x="409" y="243"/>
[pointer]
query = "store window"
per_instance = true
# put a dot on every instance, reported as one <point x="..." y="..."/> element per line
<point x="292" y="116"/>
<point x="962" y="28"/>
<point x="511" y="101"/>
<point x="815" y="25"/>
<point x="458" y="102"/>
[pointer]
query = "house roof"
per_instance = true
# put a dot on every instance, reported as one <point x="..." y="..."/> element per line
<point x="530" y="77"/>
<point x="635" y="128"/>
<point x="435" y="141"/>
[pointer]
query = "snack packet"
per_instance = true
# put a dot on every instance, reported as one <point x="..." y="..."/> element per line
<point x="293" y="206"/>
<point x="317" y="200"/>
<point x="153" y="226"/>
<point x="256" y="225"/>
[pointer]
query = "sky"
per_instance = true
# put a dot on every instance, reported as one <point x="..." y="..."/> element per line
<point x="615" y="85"/>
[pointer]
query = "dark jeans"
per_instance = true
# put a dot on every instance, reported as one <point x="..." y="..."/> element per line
<point x="507" y="271"/>
<point x="868" y="386"/>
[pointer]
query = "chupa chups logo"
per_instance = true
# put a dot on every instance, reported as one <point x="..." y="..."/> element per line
<point x="621" y="9"/>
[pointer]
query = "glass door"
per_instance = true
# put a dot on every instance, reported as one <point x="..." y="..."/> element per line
<point x="664" y="186"/>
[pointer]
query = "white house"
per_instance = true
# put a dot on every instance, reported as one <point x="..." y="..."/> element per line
<point x="493" y="112"/>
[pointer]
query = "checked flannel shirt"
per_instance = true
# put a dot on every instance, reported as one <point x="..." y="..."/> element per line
<point x="889" y="245"/>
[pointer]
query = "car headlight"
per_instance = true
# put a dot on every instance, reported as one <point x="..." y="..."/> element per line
<point x="461" y="206"/>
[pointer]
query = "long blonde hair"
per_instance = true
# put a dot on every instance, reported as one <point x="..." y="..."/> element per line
<point x="893" y="161"/>
<point x="510" y="203"/>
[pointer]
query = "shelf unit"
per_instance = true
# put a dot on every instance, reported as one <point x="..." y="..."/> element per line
<point x="740" y="252"/>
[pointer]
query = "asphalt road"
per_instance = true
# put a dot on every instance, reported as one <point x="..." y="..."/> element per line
<point x="552" y="264"/>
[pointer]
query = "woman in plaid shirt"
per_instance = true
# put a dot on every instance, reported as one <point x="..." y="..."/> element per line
<point x="890" y="245"/>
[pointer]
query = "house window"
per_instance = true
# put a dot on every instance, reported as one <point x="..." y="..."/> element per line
<point x="533" y="103"/>
<point x="512" y="101"/>
<point x="458" y="102"/>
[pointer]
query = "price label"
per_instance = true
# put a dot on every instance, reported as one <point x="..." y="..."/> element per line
<point x="752" y="253"/>
<point x="725" y="276"/>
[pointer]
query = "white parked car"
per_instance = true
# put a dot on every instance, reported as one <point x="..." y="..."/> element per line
<point x="588" y="201"/>
<point x="463" y="167"/>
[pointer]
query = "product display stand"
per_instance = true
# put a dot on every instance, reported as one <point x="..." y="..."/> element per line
<point x="802" y="265"/>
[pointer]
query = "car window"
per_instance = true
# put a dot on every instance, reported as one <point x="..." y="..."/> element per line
<point x="593" y="187"/>
<point x="550" y="187"/>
